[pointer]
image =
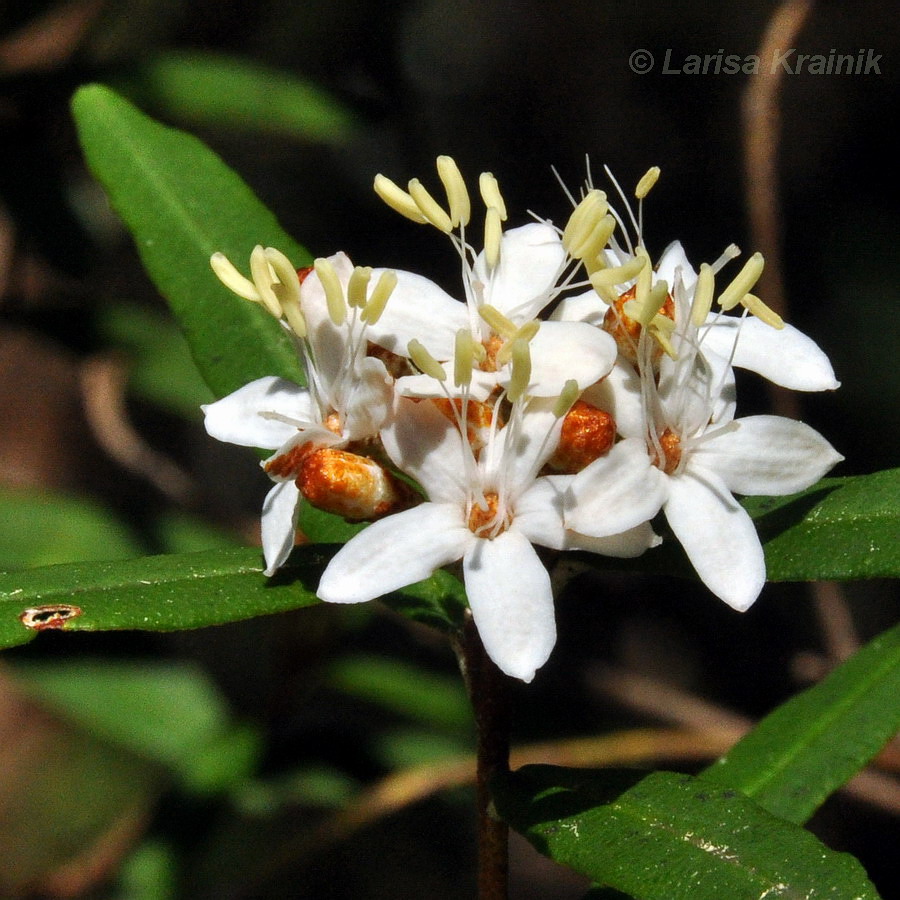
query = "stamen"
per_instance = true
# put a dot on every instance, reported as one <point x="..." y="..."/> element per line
<point x="334" y="293"/>
<point x="379" y="297"/>
<point x="424" y="361"/>
<point x="232" y="279"/>
<point x="493" y="232"/>
<point x="762" y="312"/>
<point x="497" y="321"/>
<point x="397" y="199"/>
<point x="591" y="250"/>
<point x="650" y="177"/>
<point x="582" y="222"/>
<point x="732" y="251"/>
<point x="653" y="303"/>
<point x="743" y="282"/>
<point x="358" y="286"/>
<point x="703" y="295"/>
<point x="490" y="194"/>
<point x="521" y="370"/>
<point x="429" y="207"/>
<point x="262" y="279"/>
<point x="566" y="399"/>
<point x="457" y="195"/>
<point x="463" y="358"/>
<point x="618" y="274"/>
<point x="525" y="333"/>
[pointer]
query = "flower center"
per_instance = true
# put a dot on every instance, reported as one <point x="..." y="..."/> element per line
<point x="667" y="456"/>
<point x="587" y="434"/>
<point x="487" y="523"/>
<point x="627" y="331"/>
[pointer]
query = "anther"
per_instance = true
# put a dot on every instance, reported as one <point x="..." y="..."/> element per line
<point x="429" y="207"/>
<point x="566" y="399"/>
<point x="762" y="312"/>
<point x="497" y="321"/>
<point x="581" y="223"/>
<point x="424" y="361"/>
<point x="334" y="293"/>
<point x="262" y="279"/>
<point x="490" y="194"/>
<point x="650" y="177"/>
<point x="592" y="246"/>
<point x="397" y="199"/>
<point x="524" y="333"/>
<point x="703" y="295"/>
<point x="618" y="274"/>
<point x="463" y="357"/>
<point x="742" y="283"/>
<point x="358" y="286"/>
<point x="232" y="279"/>
<point x="457" y="195"/>
<point x="379" y="297"/>
<point x="493" y="232"/>
<point x="521" y="370"/>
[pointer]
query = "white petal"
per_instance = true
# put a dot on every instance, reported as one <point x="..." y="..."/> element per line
<point x="673" y="263"/>
<point x="480" y="388"/>
<point x="718" y="536"/>
<point x="785" y="356"/>
<point x="279" y="523"/>
<point x="569" y="350"/>
<point x="512" y="603"/>
<point x="531" y="258"/>
<point x="768" y="455"/>
<point x="370" y="401"/>
<point x="395" y="551"/>
<point x="419" y="309"/>
<point x="616" y="492"/>
<point x="239" y="418"/>
<point x="626" y="545"/>
<point x="427" y="446"/>
<point x="587" y="307"/>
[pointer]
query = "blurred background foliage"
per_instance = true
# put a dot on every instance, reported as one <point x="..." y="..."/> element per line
<point x="235" y="762"/>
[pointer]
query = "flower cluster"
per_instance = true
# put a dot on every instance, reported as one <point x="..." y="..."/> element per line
<point x="573" y="392"/>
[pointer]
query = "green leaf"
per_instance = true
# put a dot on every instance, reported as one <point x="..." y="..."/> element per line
<point x="227" y="92"/>
<point x="38" y="529"/>
<point x="839" y="529"/>
<point x="666" y="836"/>
<point x="158" y="593"/>
<point x="811" y="745"/>
<point x="181" y="204"/>
<point x="165" y="712"/>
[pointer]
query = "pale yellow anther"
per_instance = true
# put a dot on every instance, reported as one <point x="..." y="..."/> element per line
<point x="566" y="399"/>
<point x="424" y="361"/>
<point x="334" y="293"/>
<point x="650" y="177"/>
<point x="232" y="279"/>
<point x="644" y="278"/>
<point x="358" y="286"/>
<point x="287" y="285"/>
<point x="379" y="297"/>
<point x="521" y="370"/>
<point x="493" y="233"/>
<point x="654" y="302"/>
<point x="263" y="277"/>
<point x="664" y="342"/>
<point x="584" y="218"/>
<point x="743" y="282"/>
<point x="592" y="246"/>
<point x="294" y="317"/>
<point x="480" y="352"/>
<point x="463" y="357"/>
<point x="490" y="194"/>
<point x="497" y="322"/>
<point x="525" y="333"/>
<point x="457" y="194"/>
<point x="762" y="312"/>
<point x="397" y="199"/>
<point x="703" y="295"/>
<point x="429" y="207"/>
<point x="619" y="274"/>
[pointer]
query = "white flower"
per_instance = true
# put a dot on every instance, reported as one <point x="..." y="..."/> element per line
<point x="487" y="512"/>
<point x="684" y="452"/>
<point x="348" y="395"/>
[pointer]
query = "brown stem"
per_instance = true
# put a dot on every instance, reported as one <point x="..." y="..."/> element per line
<point x="489" y="694"/>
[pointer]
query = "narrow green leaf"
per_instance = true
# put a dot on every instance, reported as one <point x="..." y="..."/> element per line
<point x="226" y="92"/>
<point x="811" y="745"/>
<point x="666" y="836"/>
<point x="182" y="204"/>
<point x="839" y="529"/>
<point x="158" y="593"/>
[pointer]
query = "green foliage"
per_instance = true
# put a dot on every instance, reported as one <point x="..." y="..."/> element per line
<point x="666" y="836"/>
<point x="226" y="92"/>
<point x="811" y="745"/>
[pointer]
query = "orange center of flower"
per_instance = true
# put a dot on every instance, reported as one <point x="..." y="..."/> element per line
<point x="478" y="418"/>
<point x="587" y="434"/>
<point x="670" y="443"/>
<point x="493" y="345"/>
<point x="485" y="520"/>
<point x="626" y="330"/>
